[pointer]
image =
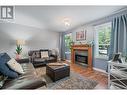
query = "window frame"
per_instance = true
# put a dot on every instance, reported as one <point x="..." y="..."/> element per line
<point x="96" y="28"/>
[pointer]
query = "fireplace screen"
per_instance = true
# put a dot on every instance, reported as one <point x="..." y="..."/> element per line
<point x="81" y="59"/>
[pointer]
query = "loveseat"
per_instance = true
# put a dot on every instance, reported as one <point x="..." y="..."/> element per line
<point x="28" y="80"/>
<point x="35" y="57"/>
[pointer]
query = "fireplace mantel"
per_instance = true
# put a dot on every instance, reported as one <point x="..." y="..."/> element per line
<point x="84" y="47"/>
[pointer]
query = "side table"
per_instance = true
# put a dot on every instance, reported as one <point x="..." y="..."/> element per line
<point x="23" y="60"/>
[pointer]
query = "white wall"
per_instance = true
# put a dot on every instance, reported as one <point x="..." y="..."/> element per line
<point x="29" y="28"/>
<point x="35" y="38"/>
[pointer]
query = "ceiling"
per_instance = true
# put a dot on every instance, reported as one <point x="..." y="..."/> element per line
<point x="51" y="17"/>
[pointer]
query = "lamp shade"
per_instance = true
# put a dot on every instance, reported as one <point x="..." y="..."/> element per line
<point x="20" y="42"/>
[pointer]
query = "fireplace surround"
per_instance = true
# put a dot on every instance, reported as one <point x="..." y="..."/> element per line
<point x="86" y="50"/>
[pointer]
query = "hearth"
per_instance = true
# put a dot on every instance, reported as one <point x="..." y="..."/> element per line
<point x="81" y="57"/>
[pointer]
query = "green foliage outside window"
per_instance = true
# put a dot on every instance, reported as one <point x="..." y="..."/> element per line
<point x="68" y="41"/>
<point x="104" y="37"/>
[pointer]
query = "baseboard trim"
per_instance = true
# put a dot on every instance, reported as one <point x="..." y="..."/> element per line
<point x="100" y="70"/>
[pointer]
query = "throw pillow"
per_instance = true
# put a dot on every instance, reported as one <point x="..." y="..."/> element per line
<point x="4" y="69"/>
<point x="44" y="54"/>
<point x="14" y="65"/>
<point x="5" y="57"/>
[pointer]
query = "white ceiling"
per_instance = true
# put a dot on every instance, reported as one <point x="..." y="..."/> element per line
<point x="50" y="17"/>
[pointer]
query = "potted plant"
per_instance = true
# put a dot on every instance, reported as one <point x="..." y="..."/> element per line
<point x="18" y="51"/>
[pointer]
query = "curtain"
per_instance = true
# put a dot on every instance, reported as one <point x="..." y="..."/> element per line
<point x="62" y="46"/>
<point x="118" y="41"/>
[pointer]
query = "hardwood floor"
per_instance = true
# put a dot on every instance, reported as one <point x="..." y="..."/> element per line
<point x="100" y="77"/>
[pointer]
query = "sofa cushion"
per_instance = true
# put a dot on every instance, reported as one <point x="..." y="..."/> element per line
<point x="26" y="83"/>
<point x="54" y="52"/>
<point x="28" y="80"/>
<point x="37" y="54"/>
<point x="4" y="69"/>
<point x="14" y="65"/>
<point x="50" y="52"/>
<point x="50" y="58"/>
<point x="39" y="59"/>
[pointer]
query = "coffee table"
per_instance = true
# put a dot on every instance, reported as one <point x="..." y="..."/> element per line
<point x="57" y="71"/>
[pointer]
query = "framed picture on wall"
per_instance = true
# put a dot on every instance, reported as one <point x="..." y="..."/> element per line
<point x="81" y="35"/>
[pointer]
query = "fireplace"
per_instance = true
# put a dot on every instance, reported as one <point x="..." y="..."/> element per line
<point x="81" y="57"/>
<point x="82" y="54"/>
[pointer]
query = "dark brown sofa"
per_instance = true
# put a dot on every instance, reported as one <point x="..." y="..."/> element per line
<point x="29" y="80"/>
<point x="35" y="57"/>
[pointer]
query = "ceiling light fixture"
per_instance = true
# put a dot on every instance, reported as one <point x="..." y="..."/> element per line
<point x="66" y="22"/>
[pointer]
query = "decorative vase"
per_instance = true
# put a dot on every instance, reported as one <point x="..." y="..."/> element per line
<point x="18" y="56"/>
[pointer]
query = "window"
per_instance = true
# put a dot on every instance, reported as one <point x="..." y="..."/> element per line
<point x="103" y="33"/>
<point x="68" y="42"/>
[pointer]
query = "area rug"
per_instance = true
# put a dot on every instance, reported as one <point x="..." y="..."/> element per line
<point x="75" y="81"/>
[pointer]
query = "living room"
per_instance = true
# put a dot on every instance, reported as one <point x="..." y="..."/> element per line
<point x="68" y="47"/>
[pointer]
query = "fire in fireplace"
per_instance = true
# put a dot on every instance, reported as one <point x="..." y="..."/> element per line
<point x="81" y="57"/>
